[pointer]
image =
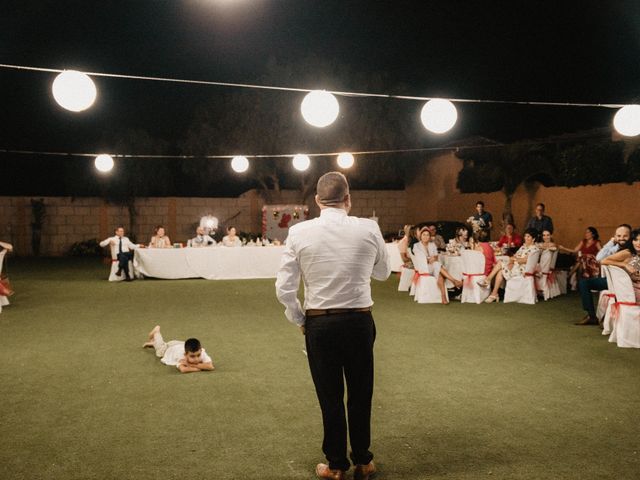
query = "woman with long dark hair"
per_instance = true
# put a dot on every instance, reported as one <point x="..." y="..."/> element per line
<point x="629" y="258"/>
<point x="586" y="265"/>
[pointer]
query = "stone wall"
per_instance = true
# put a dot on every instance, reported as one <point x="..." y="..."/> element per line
<point x="70" y="220"/>
<point x="432" y="194"/>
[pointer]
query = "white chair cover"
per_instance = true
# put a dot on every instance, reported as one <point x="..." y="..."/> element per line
<point x="547" y="282"/>
<point x="625" y="312"/>
<point x="4" y="301"/>
<point x="473" y="272"/>
<point x="114" y="268"/>
<point x="406" y="277"/>
<point x="425" y="284"/>
<point x="561" y="279"/>
<point x="523" y="289"/>
<point x="606" y="301"/>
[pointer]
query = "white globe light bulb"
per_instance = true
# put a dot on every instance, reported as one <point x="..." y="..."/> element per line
<point x="104" y="163"/>
<point x="627" y="121"/>
<point x="239" y="164"/>
<point x="320" y="108"/>
<point x="301" y="162"/>
<point x="74" y="90"/>
<point x="345" y="160"/>
<point x="439" y="115"/>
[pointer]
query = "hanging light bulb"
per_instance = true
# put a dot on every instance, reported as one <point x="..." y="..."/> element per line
<point x="439" y="115"/>
<point x="239" y="164"/>
<point x="104" y="162"/>
<point x="301" y="162"/>
<point x="320" y="108"/>
<point x="627" y="121"/>
<point x="74" y="90"/>
<point x="345" y="160"/>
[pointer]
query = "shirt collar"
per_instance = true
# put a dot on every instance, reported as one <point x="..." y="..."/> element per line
<point x="333" y="212"/>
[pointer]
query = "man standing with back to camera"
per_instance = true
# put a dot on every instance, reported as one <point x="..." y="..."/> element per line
<point x="337" y="255"/>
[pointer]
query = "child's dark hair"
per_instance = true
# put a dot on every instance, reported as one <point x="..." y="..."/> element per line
<point x="192" y="345"/>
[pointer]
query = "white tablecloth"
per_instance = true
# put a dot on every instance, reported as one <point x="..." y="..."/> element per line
<point x="221" y="263"/>
<point x="214" y="263"/>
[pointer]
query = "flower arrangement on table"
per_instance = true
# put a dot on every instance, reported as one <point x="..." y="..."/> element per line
<point x="477" y="225"/>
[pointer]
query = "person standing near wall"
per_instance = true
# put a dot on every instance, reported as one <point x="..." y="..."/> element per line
<point x="337" y="255"/>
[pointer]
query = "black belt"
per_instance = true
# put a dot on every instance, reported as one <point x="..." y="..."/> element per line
<point x="335" y="311"/>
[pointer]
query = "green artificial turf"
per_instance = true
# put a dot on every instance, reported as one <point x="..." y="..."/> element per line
<point x="462" y="391"/>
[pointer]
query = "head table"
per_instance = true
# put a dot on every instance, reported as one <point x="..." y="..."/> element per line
<point x="219" y="263"/>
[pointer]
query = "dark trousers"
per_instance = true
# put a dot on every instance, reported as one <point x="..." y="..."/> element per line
<point x="123" y="262"/>
<point x="585" y="286"/>
<point x="339" y="348"/>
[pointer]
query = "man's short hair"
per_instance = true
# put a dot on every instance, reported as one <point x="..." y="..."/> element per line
<point x="331" y="189"/>
<point x="192" y="345"/>
<point x="480" y="202"/>
<point x="541" y="205"/>
<point x="625" y="225"/>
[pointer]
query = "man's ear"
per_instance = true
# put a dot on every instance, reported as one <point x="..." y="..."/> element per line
<point x="317" y="199"/>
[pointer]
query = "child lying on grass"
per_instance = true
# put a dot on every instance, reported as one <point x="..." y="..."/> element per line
<point x="188" y="356"/>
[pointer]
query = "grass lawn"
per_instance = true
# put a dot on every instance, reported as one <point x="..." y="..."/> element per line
<point x="462" y="391"/>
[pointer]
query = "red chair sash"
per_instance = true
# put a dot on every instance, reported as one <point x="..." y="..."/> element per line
<point x="418" y="274"/>
<point x="615" y="308"/>
<point x="551" y="276"/>
<point x="468" y="276"/>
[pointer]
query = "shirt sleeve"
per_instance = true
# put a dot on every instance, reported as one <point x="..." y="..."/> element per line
<point x="287" y="284"/>
<point x="381" y="267"/>
<point x="609" y="249"/>
<point x="549" y="224"/>
<point x="105" y="242"/>
<point x="132" y="245"/>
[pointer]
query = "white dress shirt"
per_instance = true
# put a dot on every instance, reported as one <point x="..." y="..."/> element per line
<point x="609" y="249"/>
<point x="337" y="256"/>
<point x="202" y="241"/>
<point x="231" y="242"/>
<point x="114" y="242"/>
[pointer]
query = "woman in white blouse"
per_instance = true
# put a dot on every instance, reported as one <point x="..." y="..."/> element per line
<point x="160" y="240"/>
<point x="428" y="248"/>
<point x="231" y="239"/>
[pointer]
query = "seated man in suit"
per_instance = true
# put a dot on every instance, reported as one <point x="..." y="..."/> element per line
<point x="121" y="251"/>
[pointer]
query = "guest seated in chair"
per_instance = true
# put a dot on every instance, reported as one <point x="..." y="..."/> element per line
<point x="231" y="239"/>
<point x="201" y="239"/>
<point x="403" y="245"/>
<point x="628" y="258"/>
<point x="121" y="252"/>
<point x="511" y="241"/>
<point x="437" y="239"/>
<point x="491" y="266"/>
<point x="516" y="265"/>
<point x="460" y="241"/>
<point x="586" y="265"/>
<point x="428" y="248"/>
<point x="160" y="240"/>
<point x="5" y="288"/>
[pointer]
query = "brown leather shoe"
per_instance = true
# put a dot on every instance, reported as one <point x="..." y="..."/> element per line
<point x="364" y="472"/>
<point x="587" y="320"/>
<point x="323" y="471"/>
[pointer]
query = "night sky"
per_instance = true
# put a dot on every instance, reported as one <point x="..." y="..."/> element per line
<point x="571" y="51"/>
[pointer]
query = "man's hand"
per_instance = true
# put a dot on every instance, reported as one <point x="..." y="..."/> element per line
<point x="302" y="329"/>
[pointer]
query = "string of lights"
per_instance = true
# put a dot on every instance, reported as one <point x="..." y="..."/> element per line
<point x="333" y="92"/>
<point x="76" y="91"/>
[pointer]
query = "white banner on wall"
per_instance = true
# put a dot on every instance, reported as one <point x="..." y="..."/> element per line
<point x="276" y="220"/>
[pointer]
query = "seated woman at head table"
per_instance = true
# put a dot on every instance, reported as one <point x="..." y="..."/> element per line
<point x="231" y="239"/>
<point x="160" y="240"/>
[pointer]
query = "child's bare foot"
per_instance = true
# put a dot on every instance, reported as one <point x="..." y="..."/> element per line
<point x="155" y="330"/>
<point x="149" y="343"/>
